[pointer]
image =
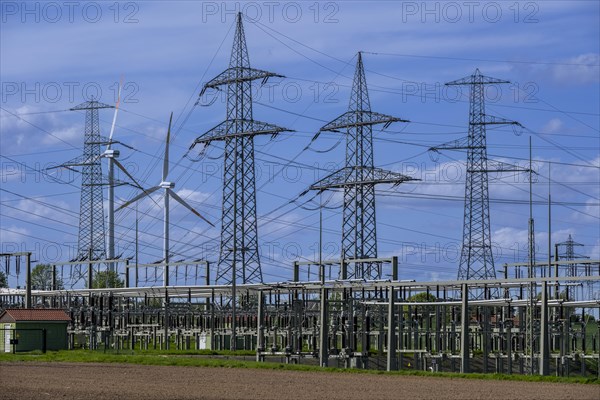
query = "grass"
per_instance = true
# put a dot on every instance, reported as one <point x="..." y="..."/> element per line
<point x="171" y="359"/>
<point x="175" y="352"/>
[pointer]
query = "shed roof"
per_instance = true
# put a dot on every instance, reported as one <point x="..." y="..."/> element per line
<point x="40" y="314"/>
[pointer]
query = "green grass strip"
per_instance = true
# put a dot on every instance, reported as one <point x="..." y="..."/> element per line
<point x="185" y="359"/>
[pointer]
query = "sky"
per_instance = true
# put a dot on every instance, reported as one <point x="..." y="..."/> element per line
<point x="55" y="55"/>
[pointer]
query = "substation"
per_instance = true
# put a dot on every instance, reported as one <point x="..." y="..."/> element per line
<point x="360" y="311"/>
<point x="494" y="326"/>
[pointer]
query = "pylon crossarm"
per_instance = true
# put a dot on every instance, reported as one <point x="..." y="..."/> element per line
<point x="80" y="161"/>
<point x="228" y="129"/>
<point x="101" y="140"/>
<point x="237" y="75"/>
<point x="499" y="166"/>
<point x="357" y="176"/>
<point x="352" y="119"/>
<point x="458" y="144"/>
<point x="88" y="105"/>
<point x="476" y="79"/>
<point x="493" y="120"/>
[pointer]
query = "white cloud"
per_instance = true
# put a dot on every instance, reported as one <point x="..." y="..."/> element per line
<point x="587" y="69"/>
<point x="194" y="196"/>
<point x="553" y="126"/>
<point x="71" y="134"/>
<point x="513" y="242"/>
<point x="12" y="234"/>
<point x="34" y="210"/>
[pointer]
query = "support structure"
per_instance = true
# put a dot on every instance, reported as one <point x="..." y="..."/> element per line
<point x="465" y="352"/>
<point x="391" y="344"/>
<point x="544" y="334"/>
<point x="568" y="254"/>
<point x="239" y="259"/>
<point x="359" y="177"/>
<point x="91" y="243"/>
<point x="476" y="260"/>
<point x="310" y="322"/>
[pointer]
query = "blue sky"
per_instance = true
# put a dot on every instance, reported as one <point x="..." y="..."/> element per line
<point x="53" y="55"/>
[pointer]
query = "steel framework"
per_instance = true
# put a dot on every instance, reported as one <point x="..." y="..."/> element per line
<point x="350" y="324"/>
<point x="476" y="259"/>
<point x="91" y="244"/>
<point x="239" y="236"/>
<point x="358" y="177"/>
<point x="569" y="253"/>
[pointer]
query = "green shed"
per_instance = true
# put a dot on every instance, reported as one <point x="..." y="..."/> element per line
<point x="33" y="329"/>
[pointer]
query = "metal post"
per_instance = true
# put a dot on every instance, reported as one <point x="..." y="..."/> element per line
<point x="321" y="266"/>
<point x="111" y="211"/>
<point x="556" y="287"/>
<point x="233" y="344"/>
<point x="401" y="334"/>
<point x="296" y="271"/>
<point x="44" y="340"/>
<point x="509" y="348"/>
<point x="28" y="282"/>
<point x="344" y="266"/>
<point x="486" y="338"/>
<point x="166" y="321"/>
<point x="391" y="344"/>
<point x="166" y="238"/>
<point x="549" y="223"/>
<point x="464" y="333"/>
<point x="127" y="273"/>
<point x="207" y="273"/>
<point x="212" y="319"/>
<point x="136" y="248"/>
<point x="261" y="327"/>
<point x="323" y="332"/>
<point x="54" y="286"/>
<point x="544" y="339"/>
<point x="394" y="268"/>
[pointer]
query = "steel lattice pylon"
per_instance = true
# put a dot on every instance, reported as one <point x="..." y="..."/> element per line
<point x="91" y="239"/>
<point x="569" y="253"/>
<point x="239" y="237"/>
<point x="476" y="259"/>
<point x="359" y="177"/>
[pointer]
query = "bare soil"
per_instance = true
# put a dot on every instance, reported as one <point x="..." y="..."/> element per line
<point x="37" y="381"/>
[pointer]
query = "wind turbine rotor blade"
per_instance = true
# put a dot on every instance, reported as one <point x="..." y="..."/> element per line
<point x="186" y="205"/>
<point x="166" y="159"/>
<point x="139" y="196"/>
<point x="122" y="168"/>
<point x="112" y="128"/>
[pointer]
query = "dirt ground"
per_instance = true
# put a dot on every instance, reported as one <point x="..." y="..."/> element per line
<point x="37" y="381"/>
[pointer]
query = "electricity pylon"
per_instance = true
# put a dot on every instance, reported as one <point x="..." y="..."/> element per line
<point x="239" y="260"/>
<point x="476" y="259"/>
<point x="358" y="178"/>
<point x="91" y="243"/>
<point x="168" y="193"/>
<point x="569" y="253"/>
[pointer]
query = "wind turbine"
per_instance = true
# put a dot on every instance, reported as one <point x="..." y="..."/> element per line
<point x="112" y="156"/>
<point x="168" y="192"/>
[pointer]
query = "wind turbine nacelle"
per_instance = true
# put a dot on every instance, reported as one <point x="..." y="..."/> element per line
<point x="167" y="185"/>
<point x="111" y="153"/>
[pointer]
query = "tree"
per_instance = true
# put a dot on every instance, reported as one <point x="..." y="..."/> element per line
<point x="41" y="278"/>
<point x="422" y="297"/>
<point x="3" y="280"/>
<point x="107" y="279"/>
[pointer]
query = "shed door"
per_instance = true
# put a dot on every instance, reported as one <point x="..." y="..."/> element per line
<point x="7" y="331"/>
